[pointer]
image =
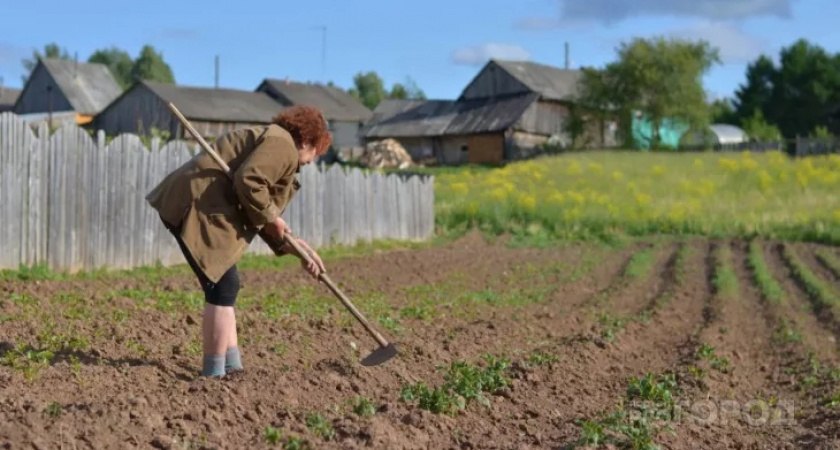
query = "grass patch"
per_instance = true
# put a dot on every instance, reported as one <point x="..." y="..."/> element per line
<point x="602" y="195"/>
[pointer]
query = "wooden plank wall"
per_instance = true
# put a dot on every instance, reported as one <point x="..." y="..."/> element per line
<point x="71" y="202"/>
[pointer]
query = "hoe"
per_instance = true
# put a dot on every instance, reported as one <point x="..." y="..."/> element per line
<point x="386" y="350"/>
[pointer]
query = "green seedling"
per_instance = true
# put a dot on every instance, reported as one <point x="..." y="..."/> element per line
<point x="363" y="407"/>
<point x="320" y="426"/>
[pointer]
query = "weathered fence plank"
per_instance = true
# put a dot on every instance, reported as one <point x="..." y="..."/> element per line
<point x="71" y="201"/>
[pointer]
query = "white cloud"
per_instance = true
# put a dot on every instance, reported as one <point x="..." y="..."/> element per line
<point x="480" y="54"/>
<point x="613" y="11"/>
<point x="735" y="46"/>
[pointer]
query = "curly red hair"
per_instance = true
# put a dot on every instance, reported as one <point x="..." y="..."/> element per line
<point x="307" y="126"/>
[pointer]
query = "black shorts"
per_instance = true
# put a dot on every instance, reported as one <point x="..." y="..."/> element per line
<point x="221" y="293"/>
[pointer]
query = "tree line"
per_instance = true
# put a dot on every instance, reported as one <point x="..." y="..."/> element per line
<point x="368" y="87"/>
<point x="662" y="78"/>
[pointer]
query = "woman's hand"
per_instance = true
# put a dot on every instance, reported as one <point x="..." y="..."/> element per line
<point x="316" y="266"/>
<point x="277" y="228"/>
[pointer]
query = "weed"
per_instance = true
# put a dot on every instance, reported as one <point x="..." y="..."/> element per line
<point x="786" y="333"/>
<point x="320" y="426"/>
<point x="363" y="407"/>
<point x="27" y="360"/>
<point x="707" y="352"/>
<point x="610" y="325"/>
<point x="463" y="383"/>
<point x="54" y="409"/>
<point x="540" y="358"/>
<point x="653" y="398"/>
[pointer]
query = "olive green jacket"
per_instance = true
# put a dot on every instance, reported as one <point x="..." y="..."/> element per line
<point x="220" y="217"/>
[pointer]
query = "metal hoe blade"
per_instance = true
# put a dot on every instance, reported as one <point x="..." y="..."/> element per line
<point x="380" y="355"/>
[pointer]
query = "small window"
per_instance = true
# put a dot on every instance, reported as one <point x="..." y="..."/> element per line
<point x="463" y="148"/>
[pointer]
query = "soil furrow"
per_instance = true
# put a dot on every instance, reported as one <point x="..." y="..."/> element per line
<point x="644" y="347"/>
<point x="744" y="370"/>
<point x="807" y="300"/>
<point x="807" y="255"/>
<point x="821" y="337"/>
<point x="127" y="376"/>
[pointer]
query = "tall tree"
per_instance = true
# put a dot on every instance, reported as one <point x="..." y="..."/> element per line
<point x="794" y="94"/>
<point x="659" y="77"/>
<point x="118" y="61"/>
<point x="150" y="65"/>
<point x="723" y="111"/>
<point x="51" y="51"/>
<point x="407" y="91"/>
<point x="757" y="92"/>
<point x="368" y="88"/>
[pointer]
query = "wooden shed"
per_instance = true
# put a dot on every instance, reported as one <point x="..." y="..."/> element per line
<point x="452" y="132"/>
<point x="506" y="112"/>
<point x="346" y="115"/>
<point x="58" y="85"/>
<point x="212" y="111"/>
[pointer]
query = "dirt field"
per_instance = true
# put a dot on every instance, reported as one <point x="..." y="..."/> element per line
<point x="731" y="346"/>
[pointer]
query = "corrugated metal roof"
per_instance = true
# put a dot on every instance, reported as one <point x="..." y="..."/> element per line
<point x="489" y="115"/>
<point x="219" y="105"/>
<point x="89" y="87"/>
<point x="551" y="82"/>
<point x="407" y="118"/>
<point x="417" y="118"/>
<point x="335" y="103"/>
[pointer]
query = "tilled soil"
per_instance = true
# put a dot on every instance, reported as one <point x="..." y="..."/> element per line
<point x="728" y="365"/>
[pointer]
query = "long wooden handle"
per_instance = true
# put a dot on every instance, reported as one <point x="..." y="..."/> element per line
<point x="272" y="242"/>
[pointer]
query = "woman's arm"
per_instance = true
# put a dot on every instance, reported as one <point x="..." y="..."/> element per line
<point x="273" y="160"/>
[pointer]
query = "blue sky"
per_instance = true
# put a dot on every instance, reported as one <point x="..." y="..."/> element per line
<point x="440" y="44"/>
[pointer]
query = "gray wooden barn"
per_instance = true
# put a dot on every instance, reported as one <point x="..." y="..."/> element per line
<point x="346" y="115"/>
<point x="506" y="112"/>
<point x="212" y="111"/>
<point x="58" y="85"/>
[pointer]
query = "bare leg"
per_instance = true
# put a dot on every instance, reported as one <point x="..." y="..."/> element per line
<point x="216" y="325"/>
<point x="232" y="356"/>
<point x="232" y="338"/>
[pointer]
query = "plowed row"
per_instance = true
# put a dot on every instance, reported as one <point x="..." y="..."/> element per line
<point x="729" y="344"/>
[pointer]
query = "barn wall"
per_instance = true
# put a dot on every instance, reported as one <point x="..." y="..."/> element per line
<point x="345" y="134"/>
<point x="522" y="145"/>
<point x="544" y="117"/>
<point x="36" y="99"/>
<point x="486" y="148"/>
<point x="454" y="150"/>
<point x="493" y="81"/>
<point x="138" y="112"/>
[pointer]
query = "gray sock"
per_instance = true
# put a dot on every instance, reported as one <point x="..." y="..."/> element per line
<point x="232" y="359"/>
<point x="214" y="365"/>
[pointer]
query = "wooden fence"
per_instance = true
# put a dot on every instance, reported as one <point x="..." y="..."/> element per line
<point x="71" y="202"/>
